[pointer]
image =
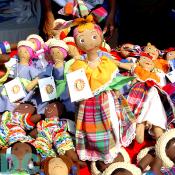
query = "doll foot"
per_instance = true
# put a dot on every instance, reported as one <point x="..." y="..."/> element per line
<point x="157" y="131"/>
<point x="140" y="131"/>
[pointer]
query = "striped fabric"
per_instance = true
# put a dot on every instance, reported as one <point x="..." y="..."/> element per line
<point x="52" y="132"/>
<point x="100" y="14"/>
<point x="95" y="139"/>
<point x="170" y="171"/>
<point x="138" y="94"/>
<point x="82" y="8"/>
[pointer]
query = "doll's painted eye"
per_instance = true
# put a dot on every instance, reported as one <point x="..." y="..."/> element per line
<point x="94" y="37"/>
<point x="81" y="40"/>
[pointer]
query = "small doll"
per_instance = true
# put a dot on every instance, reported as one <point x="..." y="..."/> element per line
<point x="59" y="165"/>
<point x="122" y="168"/>
<point x="97" y="134"/>
<point x="123" y="156"/>
<point x="24" y="70"/>
<point x="53" y="131"/>
<point x="39" y="60"/>
<point x="142" y="95"/>
<point x="15" y="124"/>
<point x="59" y="34"/>
<point x="159" y="62"/>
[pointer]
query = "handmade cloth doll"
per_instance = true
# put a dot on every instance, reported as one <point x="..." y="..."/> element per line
<point x="15" y="124"/>
<point x="38" y="60"/>
<point x="52" y="132"/>
<point x="123" y="156"/>
<point x="24" y="70"/>
<point x="98" y="136"/>
<point x="58" y="52"/>
<point x="122" y="168"/>
<point x="59" y="165"/>
<point x="145" y="96"/>
<point x="160" y="63"/>
<point x="128" y="50"/>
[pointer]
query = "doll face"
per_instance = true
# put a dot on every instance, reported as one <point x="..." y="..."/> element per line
<point x="125" y="49"/>
<point x="89" y="40"/>
<point x="53" y="110"/>
<point x="23" y="53"/>
<point x="170" y="151"/>
<point x="57" y="166"/>
<point x="152" y="51"/>
<point x="25" y="108"/>
<point x="170" y="55"/>
<point x="56" y="54"/>
<point x="146" y="63"/>
<point x="34" y="42"/>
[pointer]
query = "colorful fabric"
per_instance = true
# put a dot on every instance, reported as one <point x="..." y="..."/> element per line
<point x="138" y="95"/>
<point x="62" y="142"/>
<point x="170" y="90"/>
<point x="170" y="171"/>
<point x="13" y="128"/>
<point x="43" y="147"/>
<point x="51" y="131"/>
<point x="145" y="75"/>
<point x="100" y="76"/>
<point x="100" y="14"/>
<point x="95" y="139"/>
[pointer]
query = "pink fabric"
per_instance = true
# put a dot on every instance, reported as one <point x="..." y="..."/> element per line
<point x="38" y="43"/>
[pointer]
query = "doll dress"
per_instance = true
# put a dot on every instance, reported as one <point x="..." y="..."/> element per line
<point x="26" y="74"/>
<point x="151" y="103"/>
<point x="98" y="137"/>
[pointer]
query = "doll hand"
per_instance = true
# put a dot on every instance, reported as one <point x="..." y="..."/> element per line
<point x="73" y="156"/>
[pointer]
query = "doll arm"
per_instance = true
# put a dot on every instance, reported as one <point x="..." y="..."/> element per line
<point x="32" y="84"/>
<point x="156" y="166"/>
<point x="147" y="160"/>
<point x="127" y="66"/>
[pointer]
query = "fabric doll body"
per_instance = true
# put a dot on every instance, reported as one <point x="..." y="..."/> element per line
<point x="16" y="123"/>
<point x="96" y="138"/>
<point x="154" y="52"/>
<point x="26" y="73"/>
<point x="146" y="96"/>
<point x="53" y="133"/>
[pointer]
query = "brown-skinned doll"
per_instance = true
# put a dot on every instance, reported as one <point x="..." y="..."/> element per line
<point x="53" y="133"/>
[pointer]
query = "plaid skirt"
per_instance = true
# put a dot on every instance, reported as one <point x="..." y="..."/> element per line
<point x="138" y="94"/>
<point x="95" y="136"/>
